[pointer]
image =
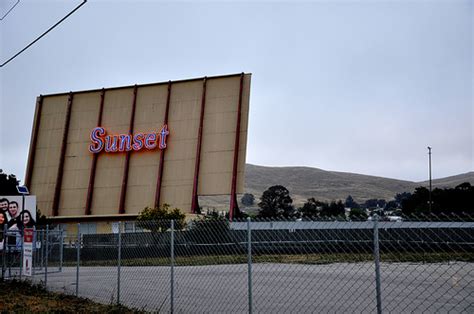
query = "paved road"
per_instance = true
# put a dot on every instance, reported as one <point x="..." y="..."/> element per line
<point x="341" y="287"/>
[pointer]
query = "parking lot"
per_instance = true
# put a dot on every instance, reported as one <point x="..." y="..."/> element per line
<point x="339" y="287"/>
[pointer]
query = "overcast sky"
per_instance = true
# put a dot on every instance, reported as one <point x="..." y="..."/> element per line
<point x="355" y="86"/>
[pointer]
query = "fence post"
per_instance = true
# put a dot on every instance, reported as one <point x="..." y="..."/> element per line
<point x="4" y="251"/>
<point x="119" y="259"/>
<point x="41" y="251"/>
<point x="34" y="257"/>
<point x="9" y="253"/>
<point x="9" y="262"/>
<point x="21" y="252"/>
<point x="61" y="249"/>
<point x="377" y="264"/>
<point x="172" y="269"/>
<point x="46" y="257"/>
<point x="249" y="263"/>
<point x="78" y="261"/>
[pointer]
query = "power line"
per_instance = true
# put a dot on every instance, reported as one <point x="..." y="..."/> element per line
<point x="4" y="16"/>
<point x="42" y="35"/>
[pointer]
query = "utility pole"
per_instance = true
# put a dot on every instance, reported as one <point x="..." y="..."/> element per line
<point x="429" y="154"/>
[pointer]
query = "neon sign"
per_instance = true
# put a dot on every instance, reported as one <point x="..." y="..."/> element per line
<point x="126" y="142"/>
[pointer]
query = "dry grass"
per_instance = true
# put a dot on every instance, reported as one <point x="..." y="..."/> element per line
<point x="24" y="297"/>
<point x="309" y="259"/>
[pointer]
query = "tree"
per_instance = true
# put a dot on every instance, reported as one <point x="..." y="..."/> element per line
<point x="211" y="228"/>
<point x="248" y="199"/>
<point x="400" y="197"/>
<point x="381" y="203"/>
<point x="371" y="203"/>
<point x="391" y="205"/>
<point x="466" y="186"/>
<point x="158" y="219"/>
<point x="335" y="209"/>
<point x="456" y="201"/>
<point x="41" y="220"/>
<point x="375" y="203"/>
<point x="8" y="184"/>
<point x="417" y="203"/>
<point x="276" y="202"/>
<point x="358" y="214"/>
<point x="350" y="203"/>
<point x="312" y="208"/>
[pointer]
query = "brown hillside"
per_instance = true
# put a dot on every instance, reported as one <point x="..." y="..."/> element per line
<point x="305" y="182"/>
<point x="451" y="181"/>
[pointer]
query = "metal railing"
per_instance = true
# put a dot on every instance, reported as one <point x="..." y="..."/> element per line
<point x="214" y="265"/>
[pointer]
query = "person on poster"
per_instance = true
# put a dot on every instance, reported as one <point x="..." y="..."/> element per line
<point x="4" y="205"/>
<point x="13" y="214"/>
<point x="3" y="222"/>
<point x="14" y="238"/>
<point x="27" y="220"/>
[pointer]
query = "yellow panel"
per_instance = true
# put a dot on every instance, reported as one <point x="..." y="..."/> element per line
<point x="143" y="168"/>
<point x="109" y="172"/>
<point x="47" y="157"/>
<point x="176" y="196"/>
<point x="220" y="122"/>
<point x="110" y="167"/>
<point x="243" y="134"/>
<point x="106" y="200"/>
<point x="72" y="202"/>
<point x="184" y="115"/>
<point x="75" y="179"/>
<point x="180" y="149"/>
<point x="78" y="161"/>
<point x="43" y="175"/>
<point x="51" y="138"/>
<point x="117" y="110"/>
<point x="48" y="148"/>
<point x="85" y="102"/>
<point x="55" y="105"/>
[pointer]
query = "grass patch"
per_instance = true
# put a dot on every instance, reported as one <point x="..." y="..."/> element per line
<point x="309" y="259"/>
<point x="25" y="297"/>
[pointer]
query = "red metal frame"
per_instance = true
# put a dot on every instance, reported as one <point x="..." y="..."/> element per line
<point x="34" y="141"/>
<point x="233" y="192"/>
<point x="162" y="152"/>
<point x="59" y="179"/>
<point x="90" y="189"/>
<point x="123" y="191"/>
<point x="195" y="201"/>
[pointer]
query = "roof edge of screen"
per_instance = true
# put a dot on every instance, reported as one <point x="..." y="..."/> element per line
<point x="147" y="84"/>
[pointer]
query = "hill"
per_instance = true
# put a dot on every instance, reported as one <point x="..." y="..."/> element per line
<point x="451" y="181"/>
<point x="305" y="182"/>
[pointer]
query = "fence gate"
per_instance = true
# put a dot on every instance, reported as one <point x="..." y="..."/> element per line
<point x="47" y="252"/>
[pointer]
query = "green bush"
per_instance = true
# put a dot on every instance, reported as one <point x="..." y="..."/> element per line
<point x="158" y="219"/>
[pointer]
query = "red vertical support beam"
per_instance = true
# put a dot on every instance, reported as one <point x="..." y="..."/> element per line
<point x="59" y="178"/>
<point x="90" y="189"/>
<point x="194" y="201"/>
<point x="123" y="192"/>
<point x="233" y="191"/>
<point x="34" y="141"/>
<point x="162" y="152"/>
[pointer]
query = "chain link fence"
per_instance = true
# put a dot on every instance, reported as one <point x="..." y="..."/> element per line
<point x="255" y="265"/>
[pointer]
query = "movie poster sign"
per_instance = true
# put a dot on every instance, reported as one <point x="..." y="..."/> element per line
<point x="28" y="251"/>
<point x="16" y="215"/>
